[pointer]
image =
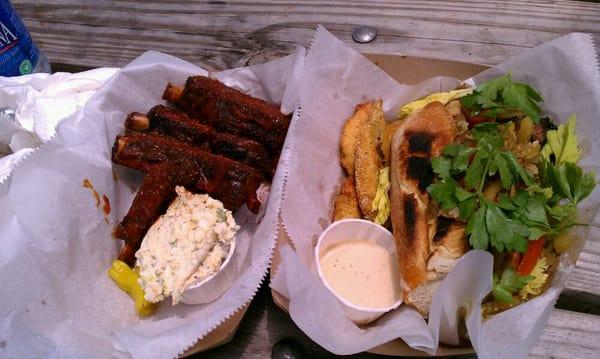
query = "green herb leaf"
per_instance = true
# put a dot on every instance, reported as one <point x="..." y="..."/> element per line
<point x="475" y="170"/>
<point x="561" y="212"/>
<point x="504" y="202"/>
<point x="476" y="228"/>
<point x="500" y="293"/>
<point x="491" y="89"/>
<point x="516" y="167"/>
<point x="459" y="155"/>
<point x="581" y="185"/>
<point x="520" y="239"/>
<point x="535" y="233"/>
<point x="501" y="97"/>
<point x="524" y="98"/>
<point x="505" y="176"/>
<point x="462" y="195"/>
<point x="567" y="180"/>
<point x="509" y="284"/>
<point x="467" y="208"/>
<point x="441" y="166"/>
<point x="561" y="144"/>
<point x="534" y="213"/>
<point x="495" y="221"/>
<point x="546" y="191"/>
<point x="505" y="233"/>
<point x="487" y="133"/>
<point x="443" y="192"/>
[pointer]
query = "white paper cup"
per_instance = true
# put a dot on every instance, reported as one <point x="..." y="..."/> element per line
<point x="355" y="229"/>
<point x="212" y="286"/>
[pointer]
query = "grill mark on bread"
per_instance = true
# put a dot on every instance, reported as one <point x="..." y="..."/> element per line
<point x="410" y="217"/>
<point x="442" y="228"/>
<point x="420" y="141"/>
<point x="419" y="169"/>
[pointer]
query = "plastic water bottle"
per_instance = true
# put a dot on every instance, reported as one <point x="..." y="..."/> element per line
<point x="18" y="53"/>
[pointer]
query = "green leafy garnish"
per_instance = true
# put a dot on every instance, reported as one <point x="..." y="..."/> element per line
<point x="562" y="144"/>
<point x="510" y="283"/>
<point x="489" y="224"/>
<point x="477" y="230"/>
<point x="501" y="97"/>
<point x="522" y="207"/>
<point x="505" y="233"/>
<point x="444" y="193"/>
<point x="560" y="172"/>
<point x="567" y="180"/>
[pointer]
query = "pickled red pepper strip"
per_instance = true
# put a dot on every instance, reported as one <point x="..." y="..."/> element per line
<point x="530" y="258"/>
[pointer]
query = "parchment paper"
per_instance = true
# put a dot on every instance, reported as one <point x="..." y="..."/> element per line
<point x="57" y="300"/>
<point x="335" y="79"/>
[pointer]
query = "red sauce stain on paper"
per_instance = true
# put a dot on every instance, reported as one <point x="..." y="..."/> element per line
<point x="88" y="184"/>
<point x="106" y="206"/>
<point x="105" y="201"/>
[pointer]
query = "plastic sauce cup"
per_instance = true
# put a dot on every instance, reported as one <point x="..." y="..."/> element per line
<point x="355" y="229"/>
<point x="212" y="287"/>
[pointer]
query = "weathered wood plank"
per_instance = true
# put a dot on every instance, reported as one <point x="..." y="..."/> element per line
<point x="586" y="275"/>
<point x="226" y="33"/>
<point x="569" y="335"/>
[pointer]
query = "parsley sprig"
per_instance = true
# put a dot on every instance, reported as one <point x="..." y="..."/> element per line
<point x="501" y="97"/>
<point x="510" y="283"/>
<point x="502" y="225"/>
<point x="546" y="206"/>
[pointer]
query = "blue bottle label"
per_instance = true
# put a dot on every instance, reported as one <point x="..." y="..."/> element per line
<point x="18" y="53"/>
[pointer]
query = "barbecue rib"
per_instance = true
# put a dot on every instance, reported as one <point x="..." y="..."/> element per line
<point x="229" y="110"/>
<point x="229" y="181"/>
<point x="155" y="195"/>
<point x="162" y="120"/>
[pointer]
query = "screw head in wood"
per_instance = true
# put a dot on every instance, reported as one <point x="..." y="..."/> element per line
<point x="364" y="33"/>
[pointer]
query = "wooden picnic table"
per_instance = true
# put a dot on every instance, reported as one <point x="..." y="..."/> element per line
<point x="77" y="35"/>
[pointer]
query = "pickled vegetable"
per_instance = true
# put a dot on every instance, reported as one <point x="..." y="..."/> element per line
<point x="491" y="191"/>
<point x="525" y="130"/>
<point x="127" y="279"/>
<point x="563" y="242"/>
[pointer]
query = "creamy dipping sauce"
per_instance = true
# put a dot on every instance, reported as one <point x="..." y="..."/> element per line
<point x="362" y="272"/>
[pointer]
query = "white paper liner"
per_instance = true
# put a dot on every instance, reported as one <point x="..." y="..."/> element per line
<point x="57" y="247"/>
<point x="335" y="79"/>
<point x="40" y="102"/>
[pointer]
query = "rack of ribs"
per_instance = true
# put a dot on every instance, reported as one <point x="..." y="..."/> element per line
<point x="165" y="121"/>
<point x="229" y="181"/>
<point x="229" y="110"/>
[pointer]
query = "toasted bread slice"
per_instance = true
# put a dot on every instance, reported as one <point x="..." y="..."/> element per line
<point x="346" y="203"/>
<point x="448" y="244"/>
<point x="420" y="298"/>
<point x="368" y="159"/>
<point x="420" y="137"/>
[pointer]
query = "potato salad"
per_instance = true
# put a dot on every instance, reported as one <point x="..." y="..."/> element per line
<point x="184" y="246"/>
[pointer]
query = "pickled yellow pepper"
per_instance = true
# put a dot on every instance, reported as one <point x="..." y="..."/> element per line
<point x="126" y="279"/>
